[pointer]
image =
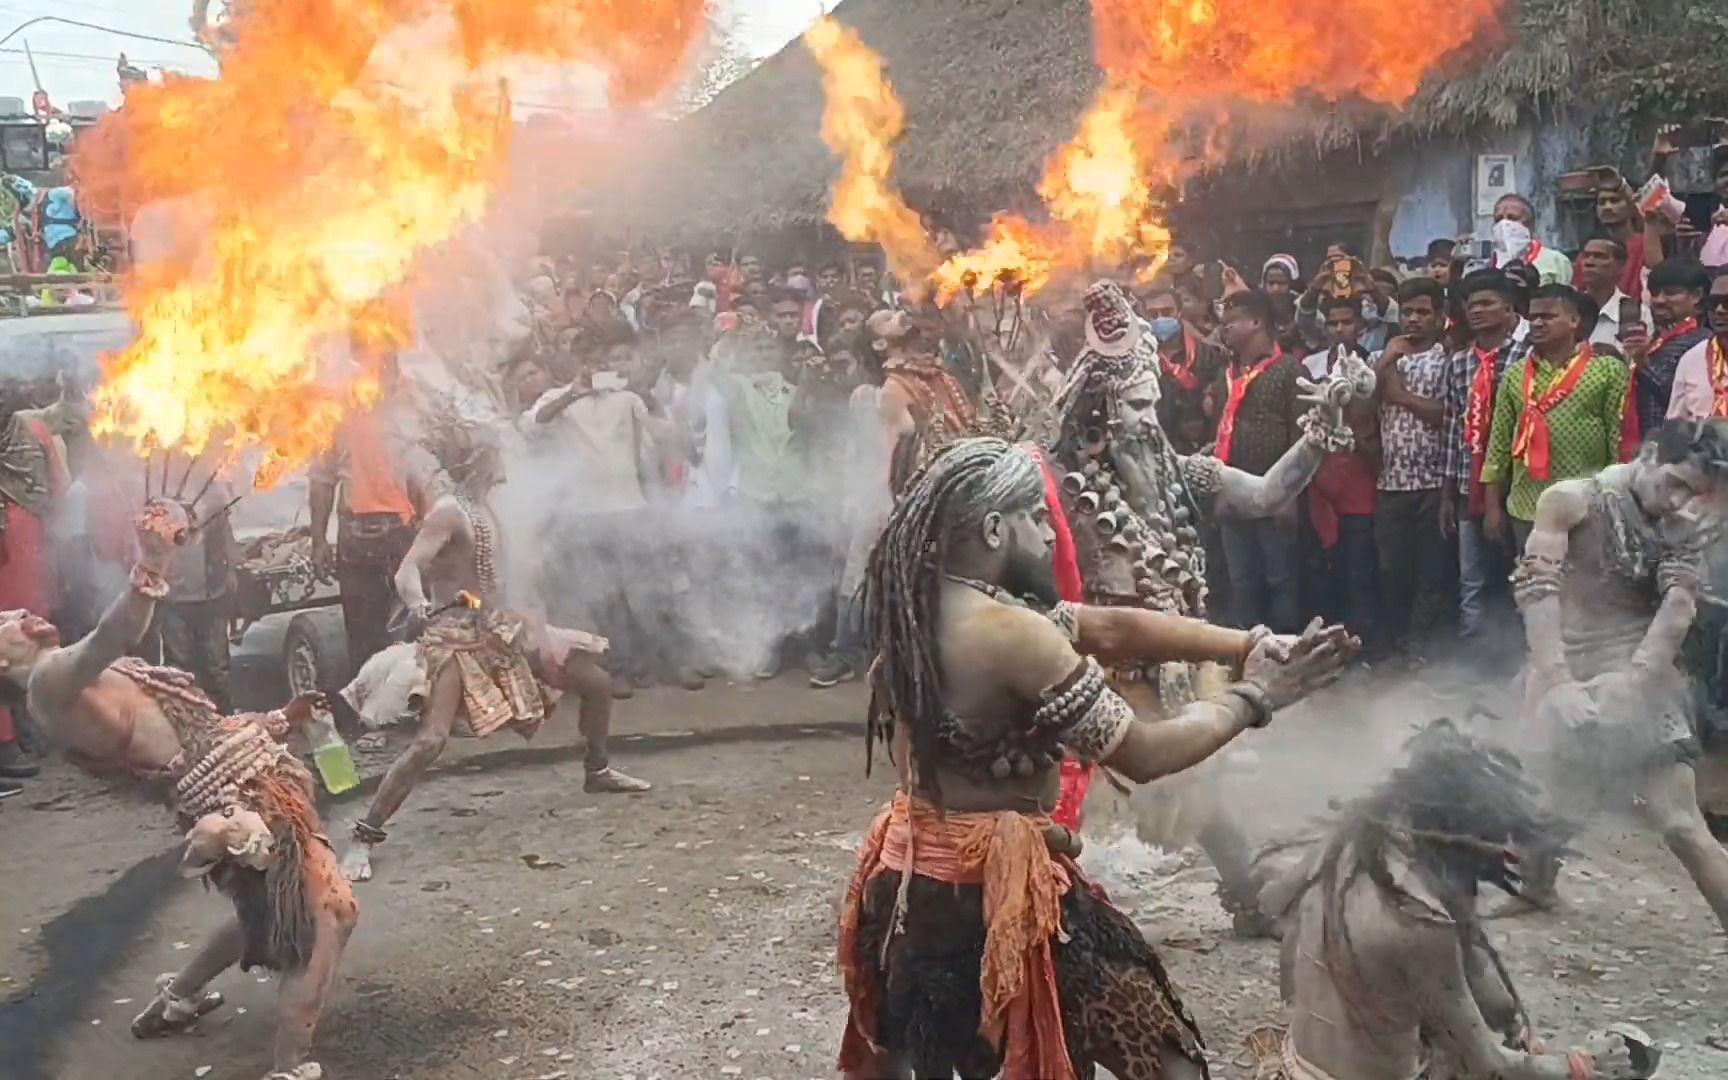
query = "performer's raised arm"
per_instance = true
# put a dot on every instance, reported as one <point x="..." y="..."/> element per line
<point x="161" y="528"/>
<point x="1242" y="495"/>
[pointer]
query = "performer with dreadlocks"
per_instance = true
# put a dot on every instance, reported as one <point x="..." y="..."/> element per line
<point x="246" y="801"/>
<point x="1608" y="585"/>
<point x="482" y="666"/>
<point x="1136" y="509"/>
<point x="969" y="941"/>
<point x="1386" y="951"/>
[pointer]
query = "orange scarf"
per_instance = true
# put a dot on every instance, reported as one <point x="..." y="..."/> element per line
<point x="1239" y="385"/>
<point x="1716" y="363"/>
<point x="1023" y="886"/>
<point x="1183" y="373"/>
<point x="1530" y="444"/>
<point x="1631" y="429"/>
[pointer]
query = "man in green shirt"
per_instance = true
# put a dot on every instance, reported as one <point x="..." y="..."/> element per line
<point x="1557" y="414"/>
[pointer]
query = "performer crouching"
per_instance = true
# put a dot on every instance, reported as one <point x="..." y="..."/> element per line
<point x="481" y="666"/>
<point x="969" y="941"/>
<point x="246" y="802"/>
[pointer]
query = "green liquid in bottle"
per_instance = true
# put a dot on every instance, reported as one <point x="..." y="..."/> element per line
<point x="336" y="766"/>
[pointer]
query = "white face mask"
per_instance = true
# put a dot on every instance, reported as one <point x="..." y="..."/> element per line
<point x="1511" y="239"/>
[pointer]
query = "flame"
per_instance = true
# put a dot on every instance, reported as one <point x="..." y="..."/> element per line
<point x="343" y="139"/>
<point x="1173" y="72"/>
<point x="861" y="121"/>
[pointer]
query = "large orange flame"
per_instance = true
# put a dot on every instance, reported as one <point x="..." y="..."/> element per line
<point x="861" y="122"/>
<point x="1169" y="65"/>
<point x="343" y="139"/>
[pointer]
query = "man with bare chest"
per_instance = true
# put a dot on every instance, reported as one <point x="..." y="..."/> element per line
<point x="1609" y="585"/>
<point x="481" y="666"/>
<point x="1386" y="968"/>
<point x="245" y="800"/>
<point x="969" y="940"/>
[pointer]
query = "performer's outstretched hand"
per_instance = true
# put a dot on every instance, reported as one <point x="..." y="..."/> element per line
<point x="162" y="527"/>
<point x="1289" y="671"/>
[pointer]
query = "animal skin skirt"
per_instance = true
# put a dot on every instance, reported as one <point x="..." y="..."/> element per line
<point x="1119" y="1008"/>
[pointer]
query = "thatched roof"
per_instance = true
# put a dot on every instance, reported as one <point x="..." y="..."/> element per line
<point x="991" y="87"/>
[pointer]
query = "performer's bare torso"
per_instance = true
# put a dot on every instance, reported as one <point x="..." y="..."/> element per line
<point x="455" y="570"/>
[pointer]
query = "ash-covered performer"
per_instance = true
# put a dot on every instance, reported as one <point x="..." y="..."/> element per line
<point x="969" y="941"/>
<point x="244" y="799"/>
<point x="482" y="666"/>
<point x="1608" y="586"/>
<point x="1135" y="508"/>
<point x="1386" y="968"/>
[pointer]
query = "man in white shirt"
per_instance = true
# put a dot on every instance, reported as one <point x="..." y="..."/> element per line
<point x="1601" y="265"/>
<point x="1515" y="239"/>
<point x="602" y="435"/>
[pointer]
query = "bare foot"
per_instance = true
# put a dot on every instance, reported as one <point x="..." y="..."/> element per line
<point x="613" y="782"/>
<point x="309" y="1071"/>
<point x="357" y="863"/>
<point x="169" y="1015"/>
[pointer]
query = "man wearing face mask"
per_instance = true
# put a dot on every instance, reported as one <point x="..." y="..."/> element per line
<point x="1515" y="241"/>
<point x="1190" y="372"/>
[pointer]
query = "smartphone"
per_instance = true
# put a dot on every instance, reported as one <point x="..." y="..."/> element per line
<point x="1212" y="279"/>
<point x="1482" y="249"/>
<point x="1631" y="314"/>
<point x="609" y="380"/>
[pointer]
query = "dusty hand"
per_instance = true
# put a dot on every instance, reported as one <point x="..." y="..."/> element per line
<point x="1610" y="1058"/>
<point x="303" y="708"/>
<point x="162" y="527"/>
<point x="1288" y="673"/>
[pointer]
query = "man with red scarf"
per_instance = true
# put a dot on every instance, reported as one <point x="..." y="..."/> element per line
<point x="1677" y="290"/>
<point x="1557" y="415"/>
<point x="1260" y="420"/>
<point x="1190" y="371"/>
<point x="1701" y="380"/>
<point x="1472" y="378"/>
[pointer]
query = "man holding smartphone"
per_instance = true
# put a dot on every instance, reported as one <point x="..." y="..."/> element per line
<point x="1677" y="290"/>
<point x="1701" y="379"/>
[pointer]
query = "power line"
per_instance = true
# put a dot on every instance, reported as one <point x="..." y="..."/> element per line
<point x="26" y="24"/>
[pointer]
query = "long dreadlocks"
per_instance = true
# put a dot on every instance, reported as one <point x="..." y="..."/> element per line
<point x="1459" y="809"/>
<point x="968" y="480"/>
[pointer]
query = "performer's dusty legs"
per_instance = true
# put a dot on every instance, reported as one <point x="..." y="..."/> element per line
<point x="585" y="678"/>
<point x="1671" y="804"/>
<point x="437" y="721"/>
<point x="305" y="992"/>
<point x="180" y="998"/>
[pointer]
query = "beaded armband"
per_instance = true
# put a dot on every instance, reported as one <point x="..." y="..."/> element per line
<point x="1203" y="473"/>
<point x="1537" y="578"/>
<point x="1066" y="616"/>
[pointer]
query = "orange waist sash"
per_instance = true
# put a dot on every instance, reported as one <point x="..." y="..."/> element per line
<point x="1023" y="884"/>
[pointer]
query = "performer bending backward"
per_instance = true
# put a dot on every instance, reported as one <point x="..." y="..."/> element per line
<point x="1136" y="508"/>
<point x="480" y="668"/>
<point x="969" y="941"/>
<point x="1609" y="584"/>
<point x="246" y="801"/>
